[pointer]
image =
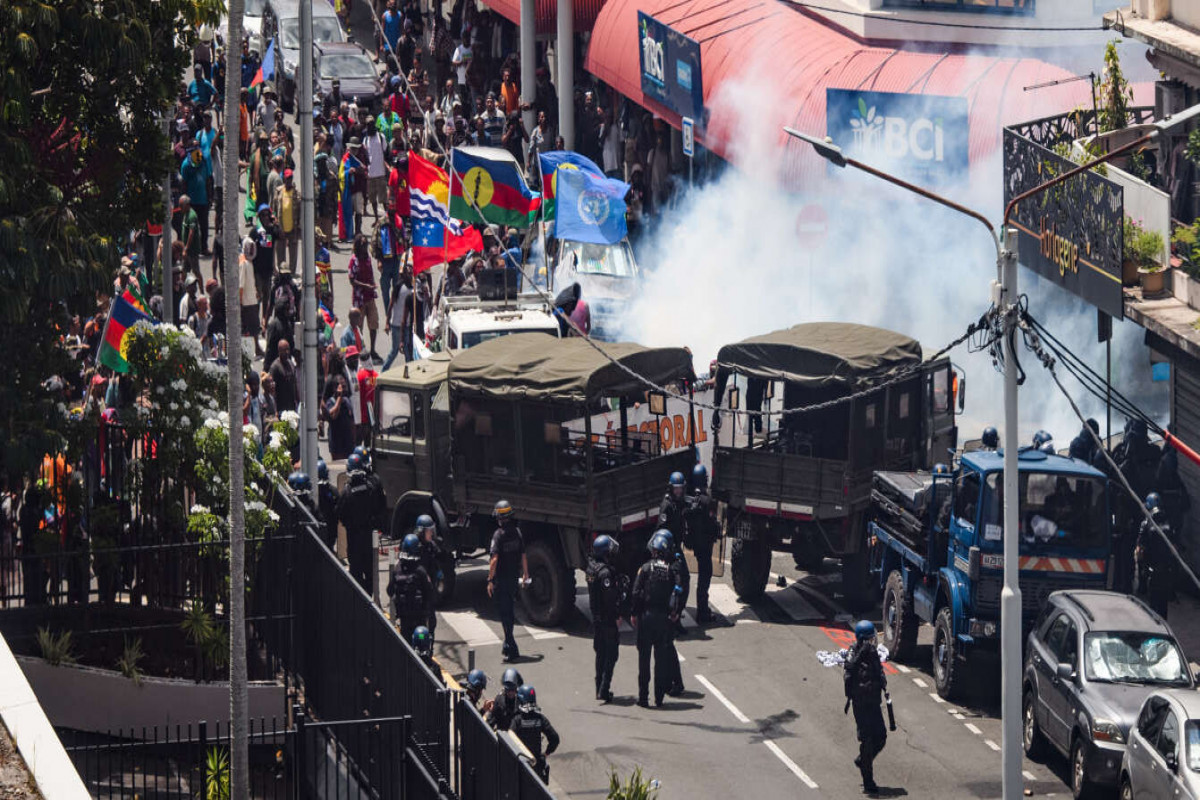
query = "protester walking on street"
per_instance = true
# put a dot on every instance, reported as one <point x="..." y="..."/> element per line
<point x="362" y="283"/>
<point x="285" y="208"/>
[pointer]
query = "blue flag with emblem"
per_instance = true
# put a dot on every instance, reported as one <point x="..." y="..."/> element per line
<point x="589" y="208"/>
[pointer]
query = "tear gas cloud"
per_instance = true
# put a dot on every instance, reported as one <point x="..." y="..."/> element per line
<point x="730" y="262"/>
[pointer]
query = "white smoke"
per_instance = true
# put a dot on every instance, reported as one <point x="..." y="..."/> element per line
<point x="729" y="262"/>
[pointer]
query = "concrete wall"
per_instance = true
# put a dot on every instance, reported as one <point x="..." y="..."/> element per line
<point x="1185" y="12"/>
<point x="89" y="699"/>
<point x="1144" y="203"/>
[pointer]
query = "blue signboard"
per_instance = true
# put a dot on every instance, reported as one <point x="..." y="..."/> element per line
<point x="917" y="136"/>
<point x="670" y="65"/>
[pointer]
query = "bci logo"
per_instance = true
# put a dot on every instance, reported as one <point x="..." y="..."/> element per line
<point x="897" y="137"/>
<point x="653" y="55"/>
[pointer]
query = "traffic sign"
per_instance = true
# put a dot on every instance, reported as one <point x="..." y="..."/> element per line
<point x="689" y="137"/>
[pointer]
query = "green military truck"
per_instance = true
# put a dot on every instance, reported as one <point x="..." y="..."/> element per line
<point x="513" y="418"/>
<point x="801" y="483"/>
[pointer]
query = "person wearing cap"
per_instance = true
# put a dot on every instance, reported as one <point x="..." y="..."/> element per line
<point x="187" y="303"/>
<point x="351" y="175"/>
<point x="285" y="207"/>
<point x="375" y="147"/>
<point x="362" y="379"/>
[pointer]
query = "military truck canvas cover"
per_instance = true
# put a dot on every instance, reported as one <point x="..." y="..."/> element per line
<point x="533" y="366"/>
<point x="838" y="356"/>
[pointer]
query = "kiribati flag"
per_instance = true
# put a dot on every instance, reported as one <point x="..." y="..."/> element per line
<point x="114" y="344"/>
<point x="433" y="243"/>
<point x="496" y="186"/>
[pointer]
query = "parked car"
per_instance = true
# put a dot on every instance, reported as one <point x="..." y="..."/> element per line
<point x="252" y="17"/>
<point x="1162" y="761"/>
<point x="281" y="22"/>
<point x="352" y="66"/>
<point x="1090" y="663"/>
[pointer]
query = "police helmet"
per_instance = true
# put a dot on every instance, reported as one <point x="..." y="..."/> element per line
<point x="1048" y="448"/>
<point x="661" y="543"/>
<point x="300" y="482"/>
<point x="864" y="630"/>
<point x="1136" y="429"/>
<point x="422" y="640"/>
<point x="477" y="680"/>
<point x="511" y="679"/>
<point x="362" y="453"/>
<point x="1040" y="438"/>
<point x="526" y="696"/>
<point x="411" y="545"/>
<point x="605" y="546"/>
<point x="676" y="479"/>
<point x="700" y="476"/>
<point x="940" y="469"/>
<point x="322" y="470"/>
<point x="425" y="523"/>
<point x="991" y="437"/>
<point x="502" y="510"/>
<point x="1153" y="502"/>
<point x="354" y="463"/>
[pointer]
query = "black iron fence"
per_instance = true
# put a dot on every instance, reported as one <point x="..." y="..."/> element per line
<point x="489" y="766"/>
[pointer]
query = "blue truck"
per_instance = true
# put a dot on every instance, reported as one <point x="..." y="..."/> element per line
<point x="936" y="543"/>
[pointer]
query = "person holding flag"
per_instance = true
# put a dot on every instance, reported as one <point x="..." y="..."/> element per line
<point x="114" y="342"/>
<point x="350" y="206"/>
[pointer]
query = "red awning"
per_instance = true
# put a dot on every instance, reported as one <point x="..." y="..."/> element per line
<point x="769" y="50"/>
<point x="545" y="13"/>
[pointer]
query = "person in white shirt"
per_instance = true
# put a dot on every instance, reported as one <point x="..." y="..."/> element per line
<point x="377" y="168"/>
<point x="461" y="61"/>
<point x="199" y="321"/>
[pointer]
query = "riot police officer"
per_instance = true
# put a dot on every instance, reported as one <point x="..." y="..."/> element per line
<point x="504" y="707"/>
<point x="655" y="603"/>
<point x="672" y="518"/>
<point x="327" y="498"/>
<point x="508" y="561"/>
<point x="301" y="486"/>
<point x="361" y="509"/>
<point x="1083" y="447"/>
<point x="410" y="589"/>
<point x="700" y="519"/>
<point x="1138" y="461"/>
<point x="607" y="590"/>
<point x="430" y="554"/>
<point x="990" y="439"/>
<point x="475" y="686"/>
<point x="422" y="645"/>
<point x="529" y="725"/>
<point x="1157" y="556"/>
<point x="865" y="681"/>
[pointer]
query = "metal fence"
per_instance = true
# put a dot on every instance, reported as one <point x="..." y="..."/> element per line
<point x="489" y="766"/>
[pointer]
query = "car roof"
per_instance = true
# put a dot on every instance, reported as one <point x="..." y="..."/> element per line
<point x="1030" y="460"/>
<point x="289" y="9"/>
<point x="339" y="47"/>
<point x="1112" y="611"/>
<point x="1189" y="699"/>
<point x="420" y="373"/>
<point x="472" y="320"/>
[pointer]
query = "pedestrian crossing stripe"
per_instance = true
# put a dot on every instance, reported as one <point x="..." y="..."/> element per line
<point x="470" y="627"/>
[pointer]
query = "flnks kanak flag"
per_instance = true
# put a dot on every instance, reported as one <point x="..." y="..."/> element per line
<point x="114" y="344"/>
<point x="495" y="186"/>
<point x="434" y="243"/>
<point x="549" y="163"/>
<point x="428" y="190"/>
<point x="589" y="209"/>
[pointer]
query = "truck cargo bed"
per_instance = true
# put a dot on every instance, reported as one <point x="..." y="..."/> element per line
<point x="901" y="502"/>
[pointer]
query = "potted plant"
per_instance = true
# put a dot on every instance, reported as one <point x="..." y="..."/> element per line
<point x="1131" y="262"/>
<point x="1185" y="278"/>
<point x="1148" y="250"/>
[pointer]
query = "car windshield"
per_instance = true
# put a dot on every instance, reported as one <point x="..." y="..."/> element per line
<point x="254" y="8"/>
<point x="1057" y="511"/>
<point x="325" y="29"/>
<point x="479" y="337"/>
<point x="1191" y="734"/>
<point x="1133" y="657"/>
<point x="614" y="260"/>
<point x="346" y="65"/>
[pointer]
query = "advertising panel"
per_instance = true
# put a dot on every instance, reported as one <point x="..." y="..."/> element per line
<point x="670" y="64"/>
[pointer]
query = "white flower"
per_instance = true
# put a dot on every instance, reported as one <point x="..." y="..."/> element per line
<point x="199" y="509"/>
<point x="276" y="440"/>
<point x="250" y="431"/>
<point x="160" y="389"/>
<point x="212" y="423"/>
<point x="272" y="515"/>
<point x="291" y="418"/>
<point x="224" y="417"/>
<point x="185" y="422"/>
<point x="256" y="505"/>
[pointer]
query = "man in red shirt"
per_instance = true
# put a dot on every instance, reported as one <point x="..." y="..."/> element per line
<point x="364" y="382"/>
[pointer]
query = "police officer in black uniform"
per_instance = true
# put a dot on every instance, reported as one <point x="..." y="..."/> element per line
<point x="1138" y="461"/>
<point x="508" y="566"/>
<point x="655" y="603"/>
<point x="301" y="486"/>
<point x="361" y="509"/>
<point x="1157" y="556"/>
<point x="1083" y="446"/>
<point x="327" y="498"/>
<point x="422" y="645"/>
<point x="607" y="590"/>
<point x="700" y="518"/>
<point x="430" y="554"/>
<point x="672" y="517"/>
<point x="475" y="686"/>
<point x="529" y="725"/>
<point x="864" y="682"/>
<point x="411" y="589"/>
<point x="504" y="707"/>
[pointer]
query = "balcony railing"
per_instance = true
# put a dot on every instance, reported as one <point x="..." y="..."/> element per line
<point x="1021" y="7"/>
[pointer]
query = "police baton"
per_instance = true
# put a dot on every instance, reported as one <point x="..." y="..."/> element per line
<point x="891" y="712"/>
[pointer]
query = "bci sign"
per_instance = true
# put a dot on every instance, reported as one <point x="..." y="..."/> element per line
<point x="922" y="137"/>
<point x="670" y="65"/>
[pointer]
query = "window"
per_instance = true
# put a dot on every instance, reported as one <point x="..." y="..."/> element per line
<point x="966" y="499"/>
<point x="1068" y="650"/>
<point x="1057" y="634"/>
<point x="939" y="391"/>
<point x="1150" y="720"/>
<point x="1168" y="740"/>
<point x="347" y="65"/>
<point x="418" y="415"/>
<point x="254" y="8"/>
<point x="1133" y="657"/>
<point x="325" y="29"/>
<point x="869" y="415"/>
<point x="473" y="338"/>
<point x="612" y="260"/>
<point x="903" y="405"/>
<point x="1057" y="511"/>
<point x="395" y="413"/>
<point x="1191" y="735"/>
<point x="1025" y="7"/>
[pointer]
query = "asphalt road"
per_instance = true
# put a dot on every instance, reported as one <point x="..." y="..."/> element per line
<point x="760" y="715"/>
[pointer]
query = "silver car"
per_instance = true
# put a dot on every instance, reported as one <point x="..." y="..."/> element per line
<point x="1162" y="761"/>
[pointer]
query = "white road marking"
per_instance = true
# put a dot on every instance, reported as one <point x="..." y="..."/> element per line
<point x="791" y="765"/>
<point x="920" y="683"/>
<point x="470" y="628"/>
<point x="903" y="669"/>
<point x="992" y="745"/>
<point x="958" y="716"/>
<point x="937" y="698"/>
<point x="585" y="608"/>
<point x="793" y="604"/>
<point x="1029" y="776"/>
<point x="974" y="730"/>
<point x="724" y="600"/>
<point x="536" y="632"/>
<point x="724" y="700"/>
<point x="680" y="656"/>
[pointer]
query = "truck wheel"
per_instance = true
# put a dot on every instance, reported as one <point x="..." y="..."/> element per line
<point x="446" y="586"/>
<point x="945" y="655"/>
<point x="899" y="619"/>
<point x="856" y="580"/>
<point x="808" y="549"/>
<point x="551" y="592"/>
<point x="751" y="566"/>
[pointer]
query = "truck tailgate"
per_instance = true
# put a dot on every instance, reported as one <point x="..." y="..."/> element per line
<point x="623" y="494"/>
<point x="813" y="486"/>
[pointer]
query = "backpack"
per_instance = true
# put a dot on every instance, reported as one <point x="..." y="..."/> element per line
<point x="408" y="593"/>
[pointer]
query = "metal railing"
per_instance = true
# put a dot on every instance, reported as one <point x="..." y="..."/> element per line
<point x="489" y="766"/>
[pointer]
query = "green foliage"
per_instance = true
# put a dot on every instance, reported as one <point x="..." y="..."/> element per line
<point x="1143" y="246"/>
<point x="636" y="787"/>
<point x="1186" y="244"/>
<point x="56" y="649"/>
<point x="216" y="774"/>
<point x="197" y="626"/>
<point x="130" y="660"/>
<point x="1115" y="94"/>
<point x="1192" y="151"/>
<point x="1138" y="167"/>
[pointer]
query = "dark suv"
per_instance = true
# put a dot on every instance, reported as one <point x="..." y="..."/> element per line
<point x="1090" y="662"/>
